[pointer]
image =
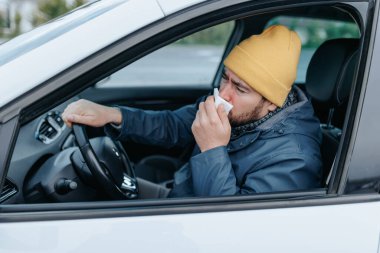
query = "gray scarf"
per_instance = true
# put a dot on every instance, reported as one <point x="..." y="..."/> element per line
<point x="238" y="131"/>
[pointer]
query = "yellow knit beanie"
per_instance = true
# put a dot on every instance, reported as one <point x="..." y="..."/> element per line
<point x="268" y="62"/>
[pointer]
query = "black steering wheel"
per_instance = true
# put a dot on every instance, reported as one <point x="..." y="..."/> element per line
<point x="108" y="163"/>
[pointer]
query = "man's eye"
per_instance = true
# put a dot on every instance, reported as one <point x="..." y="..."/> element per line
<point x="240" y="90"/>
<point x="224" y="76"/>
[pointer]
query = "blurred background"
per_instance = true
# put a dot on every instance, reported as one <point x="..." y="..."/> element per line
<point x="20" y="16"/>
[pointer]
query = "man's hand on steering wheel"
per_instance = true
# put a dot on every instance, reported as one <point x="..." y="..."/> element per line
<point x="105" y="158"/>
<point x="91" y="114"/>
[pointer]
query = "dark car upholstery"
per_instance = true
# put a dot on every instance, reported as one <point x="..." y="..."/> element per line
<point x="328" y="81"/>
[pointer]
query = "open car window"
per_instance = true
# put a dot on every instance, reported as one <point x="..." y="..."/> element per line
<point x="190" y="61"/>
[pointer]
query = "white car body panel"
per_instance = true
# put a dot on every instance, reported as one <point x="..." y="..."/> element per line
<point x="171" y="6"/>
<point x="349" y="228"/>
<point x="50" y="27"/>
<point x="42" y="63"/>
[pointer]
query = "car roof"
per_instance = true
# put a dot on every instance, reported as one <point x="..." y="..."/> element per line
<point x="35" y="57"/>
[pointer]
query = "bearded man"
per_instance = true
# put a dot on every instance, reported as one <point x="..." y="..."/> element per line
<point x="269" y="141"/>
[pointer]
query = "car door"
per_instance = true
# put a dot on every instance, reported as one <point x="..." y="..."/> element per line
<point x="339" y="218"/>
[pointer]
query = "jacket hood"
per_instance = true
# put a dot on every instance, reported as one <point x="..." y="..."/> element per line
<point x="287" y="120"/>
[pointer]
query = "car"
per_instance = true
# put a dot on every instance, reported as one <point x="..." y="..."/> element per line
<point x="161" y="55"/>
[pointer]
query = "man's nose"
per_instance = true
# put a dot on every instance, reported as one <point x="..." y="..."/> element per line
<point x="225" y="92"/>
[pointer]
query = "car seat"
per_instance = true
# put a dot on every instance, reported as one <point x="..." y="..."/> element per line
<point x="329" y="79"/>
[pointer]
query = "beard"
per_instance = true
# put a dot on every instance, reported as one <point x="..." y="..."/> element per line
<point x="247" y="117"/>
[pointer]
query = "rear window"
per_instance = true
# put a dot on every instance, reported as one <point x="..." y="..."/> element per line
<point x="313" y="33"/>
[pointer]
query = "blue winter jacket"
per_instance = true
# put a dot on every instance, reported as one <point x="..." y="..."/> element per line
<point x="281" y="154"/>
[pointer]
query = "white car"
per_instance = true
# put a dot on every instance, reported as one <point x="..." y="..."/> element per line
<point x="162" y="54"/>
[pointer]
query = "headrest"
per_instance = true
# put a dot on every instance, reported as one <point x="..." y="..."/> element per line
<point x="330" y="72"/>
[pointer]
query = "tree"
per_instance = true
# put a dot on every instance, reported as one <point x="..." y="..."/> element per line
<point x="2" y="24"/>
<point x="216" y="35"/>
<point x="78" y="3"/>
<point x="17" y="21"/>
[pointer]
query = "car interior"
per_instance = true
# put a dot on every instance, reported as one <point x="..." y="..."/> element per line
<point x="48" y="167"/>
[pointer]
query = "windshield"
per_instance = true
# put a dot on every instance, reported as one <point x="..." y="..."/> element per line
<point x="55" y="28"/>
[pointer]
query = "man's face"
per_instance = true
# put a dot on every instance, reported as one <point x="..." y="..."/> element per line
<point x="248" y="104"/>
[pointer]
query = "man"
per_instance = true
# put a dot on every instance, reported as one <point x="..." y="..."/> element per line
<point x="268" y="142"/>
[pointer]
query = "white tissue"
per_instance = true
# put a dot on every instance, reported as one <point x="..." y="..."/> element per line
<point x="218" y="100"/>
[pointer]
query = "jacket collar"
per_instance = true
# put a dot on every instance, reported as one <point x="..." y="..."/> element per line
<point x="250" y="127"/>
<point x="276" y="124"/>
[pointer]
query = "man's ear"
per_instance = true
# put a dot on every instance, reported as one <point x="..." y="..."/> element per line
<point x="272" y="107"/>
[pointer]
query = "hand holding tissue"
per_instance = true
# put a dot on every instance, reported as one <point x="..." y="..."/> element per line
<point x="218" y="100"/>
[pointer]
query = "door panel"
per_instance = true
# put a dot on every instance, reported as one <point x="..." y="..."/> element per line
<point x="336" y="228"/>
